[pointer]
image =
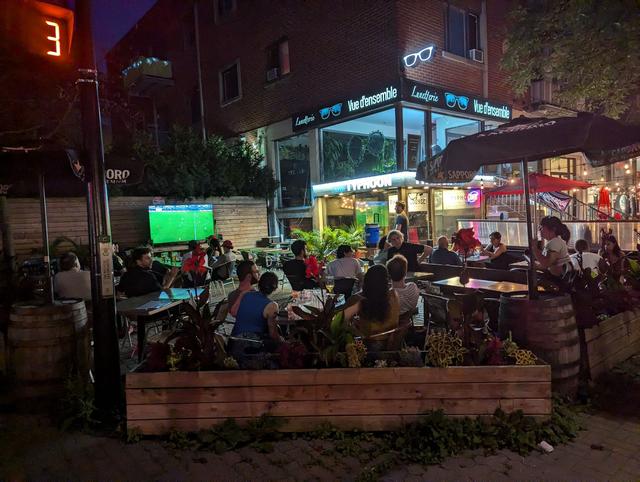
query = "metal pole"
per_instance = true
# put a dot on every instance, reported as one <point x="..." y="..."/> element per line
<point x="45" y="240"/>
<point x="108" y="387"/>
<point x="531" y="278"/>
<point x="199" y="66"/>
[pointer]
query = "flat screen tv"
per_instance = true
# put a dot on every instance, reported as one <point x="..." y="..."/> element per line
<point x="180" y="223"/>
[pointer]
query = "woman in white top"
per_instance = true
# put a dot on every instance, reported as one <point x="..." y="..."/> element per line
<point x="584" y="259"/>
<point x="555" y="254"/>
<point x="346" y="265"/>
<point x="408" y="293"/>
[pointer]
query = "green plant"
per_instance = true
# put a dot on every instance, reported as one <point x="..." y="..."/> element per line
<point x="444" y="349"/>
<point x="323" y="244"/>
<point x="77" y="406"/>
<point x="257" y="433"/>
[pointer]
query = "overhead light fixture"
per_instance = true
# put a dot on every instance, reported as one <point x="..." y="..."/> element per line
<point x="602" y="179"/>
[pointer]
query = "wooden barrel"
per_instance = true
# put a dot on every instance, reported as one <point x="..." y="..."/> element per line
<point x="547" y="327"/>
<point x="45" y="345"/>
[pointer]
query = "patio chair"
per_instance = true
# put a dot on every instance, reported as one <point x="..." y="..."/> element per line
<point x="222" y="276"/>
<point x="344" y="286"/>
<point x="435" y="312"/>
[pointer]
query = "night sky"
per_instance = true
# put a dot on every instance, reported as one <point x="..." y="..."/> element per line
<point x="112" y="19"/>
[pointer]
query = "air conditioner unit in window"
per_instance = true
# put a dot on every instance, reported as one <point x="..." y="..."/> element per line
<point x="477" y="55"/>
<point x="272" y="74"/>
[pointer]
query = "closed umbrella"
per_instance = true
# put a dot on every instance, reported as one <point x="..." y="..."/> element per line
<point x="602" y="140"/>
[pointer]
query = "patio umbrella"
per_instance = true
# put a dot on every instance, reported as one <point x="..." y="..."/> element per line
<point x="539" y="183"/>
<point x="603" y="141"/>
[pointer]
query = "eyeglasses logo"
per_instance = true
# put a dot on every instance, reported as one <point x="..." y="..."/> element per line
<point x="334" y="110"/>
<point x="424" y="55"/>
<point x="452" y="99"/>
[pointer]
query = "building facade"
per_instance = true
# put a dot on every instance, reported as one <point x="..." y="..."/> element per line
<point x="344" y="98"/>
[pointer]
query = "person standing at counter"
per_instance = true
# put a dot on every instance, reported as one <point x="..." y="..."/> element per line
<point x="402" y="220"/>
<point x="410" y="251"/>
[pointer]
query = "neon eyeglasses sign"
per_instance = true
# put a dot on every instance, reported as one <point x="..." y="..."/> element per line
<point x="424" y="55"/>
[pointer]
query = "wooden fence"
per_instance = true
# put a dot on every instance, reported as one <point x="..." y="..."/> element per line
<point x="240" y="219"/>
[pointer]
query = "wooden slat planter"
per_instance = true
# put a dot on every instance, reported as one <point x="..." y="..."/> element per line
<point x="612" y="341"/>
<point x="348" y="398"/>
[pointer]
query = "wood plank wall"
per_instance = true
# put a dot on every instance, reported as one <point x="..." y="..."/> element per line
<point x="240" y="219"/>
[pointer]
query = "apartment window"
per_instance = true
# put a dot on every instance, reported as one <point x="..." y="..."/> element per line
<point x="224" y="9"/>
<point x="463" y="31"/>
<point x="278" y="60"/>
<point x="230" y="89"/>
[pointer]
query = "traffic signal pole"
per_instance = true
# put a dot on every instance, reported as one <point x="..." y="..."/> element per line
<point x="108" y="382"/>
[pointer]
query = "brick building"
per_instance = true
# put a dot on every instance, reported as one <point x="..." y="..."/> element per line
<point x="344" y="97"/>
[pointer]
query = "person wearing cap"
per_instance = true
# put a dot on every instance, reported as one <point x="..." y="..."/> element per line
<point x="220" y="268"/>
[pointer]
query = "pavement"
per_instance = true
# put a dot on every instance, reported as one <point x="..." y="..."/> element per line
<point x="32" y="449"/>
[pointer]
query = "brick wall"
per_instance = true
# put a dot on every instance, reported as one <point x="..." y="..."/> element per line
<point x="240" y="219"/>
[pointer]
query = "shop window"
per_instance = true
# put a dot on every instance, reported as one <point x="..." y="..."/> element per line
<point x="414" y="124"/>
<point x="293" y="162"/>
<point x="463" y="31"/>
<point x="446" y="128"/>
<point x="230" y="88"/>
<point x="278" y="60"/>
<point x="359" y="148"/>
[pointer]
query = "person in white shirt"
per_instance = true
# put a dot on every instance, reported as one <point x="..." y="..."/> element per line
<point x="408" y="293"/>
<point x="222" y="268"/>
<point x="555" y="254"/>
<point x="584" y="259"/>
<point x="346" y="265"/>
<point x="71" y="282"/>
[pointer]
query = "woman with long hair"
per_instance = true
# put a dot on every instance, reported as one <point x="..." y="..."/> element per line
<point x="554" y="256"/>
<point x="614" y="262"/>
<point x="378" y="309"/>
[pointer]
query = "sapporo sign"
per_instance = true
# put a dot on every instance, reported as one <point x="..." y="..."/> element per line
<point x="337" y="110"/>
<point x="449" y="99"/>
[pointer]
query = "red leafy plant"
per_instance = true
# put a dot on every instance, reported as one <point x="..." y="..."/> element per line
<point x="313" y="268"/>
<point x="292" y="354"/>
<point x="196" y="264"/>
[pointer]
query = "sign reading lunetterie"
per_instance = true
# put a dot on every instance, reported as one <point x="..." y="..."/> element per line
<point x="351" y="106"/>
<point x="454" y="101"/>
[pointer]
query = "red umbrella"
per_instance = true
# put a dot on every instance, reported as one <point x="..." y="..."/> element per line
<point x="539" y="183"/>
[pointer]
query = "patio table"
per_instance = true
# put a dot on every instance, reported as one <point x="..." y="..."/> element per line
<point x="418" y="276"/>
<point x="452" y="284"/>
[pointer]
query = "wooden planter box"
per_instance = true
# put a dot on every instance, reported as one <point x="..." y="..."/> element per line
<point x="348" y="398"/>
<point x="612" y="341"/>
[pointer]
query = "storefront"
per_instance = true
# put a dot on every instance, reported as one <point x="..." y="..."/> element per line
<point x="349" y="161"/>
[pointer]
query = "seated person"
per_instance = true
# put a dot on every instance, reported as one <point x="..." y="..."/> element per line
<point x="139" y="280"/>
<point x="191" y="278"/>
<point x="442" y="254"/>
<point x="221" y="268"/>
<point x="383" y="248"/>
<point x="584" y="259"/>
<point x="214" y="250"/>
<point x="409" y="250"/>
<point x="248" y="276"/>
<point x="296" y="269"/>
<point x="256" y="320"/>
<point x="554" y="257"/>
<point x="408" y="293"/>
<point x="71" y="282"/>
<point x="346" y="265"/>
<point x="614" y="262"/>
<point x="377" y="309"/>
<point x="118" y="262"/>
<point x="496" y="250"/>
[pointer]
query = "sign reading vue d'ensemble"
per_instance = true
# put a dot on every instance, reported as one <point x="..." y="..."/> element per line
<point x="438" y="97"/>
<point x="450" y="100"/>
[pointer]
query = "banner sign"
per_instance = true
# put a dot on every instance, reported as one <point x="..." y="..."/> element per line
<point x="449" y="99"/>
<point x="556" y="200"/>
<point x="345" y="108"/>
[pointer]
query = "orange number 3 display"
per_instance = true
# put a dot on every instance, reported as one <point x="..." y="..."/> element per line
<point x="55" y="38"/>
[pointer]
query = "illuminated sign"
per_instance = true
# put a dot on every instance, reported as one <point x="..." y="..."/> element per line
<point x="424" y="55"/>
<point x="450" y="100"/>
<point x="394" y="179"/>
<point x="472" y="197"/>
<point x="418" y="202"/>
<point x="39" y="27"/>
<point x="338" y="110"/>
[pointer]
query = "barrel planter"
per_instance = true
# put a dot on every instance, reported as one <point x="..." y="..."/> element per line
<point x="348" y="398"/>
<point x="547" y="326"/>
<point x="612" y="341"/>
<point x="46" y="344"/>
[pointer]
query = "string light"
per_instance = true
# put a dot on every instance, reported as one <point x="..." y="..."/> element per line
<point x="626" y="166"/>
<point x="628" y="171"/>
<point x="602" y="179"/>
<point x="585" y="173"/>
<point x="617" y="184"/>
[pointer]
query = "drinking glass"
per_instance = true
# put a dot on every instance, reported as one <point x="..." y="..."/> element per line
<point x="329" y="283"/>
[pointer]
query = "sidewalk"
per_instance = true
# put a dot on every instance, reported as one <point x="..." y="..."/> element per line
<point x="31" y="449"/>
